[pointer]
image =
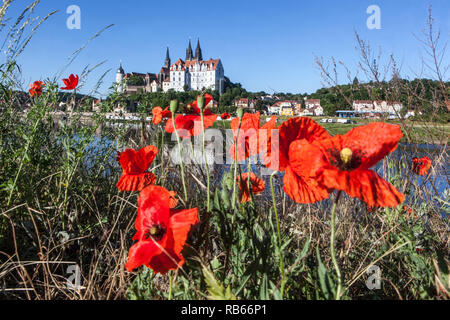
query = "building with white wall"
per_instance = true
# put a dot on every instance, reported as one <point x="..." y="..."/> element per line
<point x="193" y="73"/>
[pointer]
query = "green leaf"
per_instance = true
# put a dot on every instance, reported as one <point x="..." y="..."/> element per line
<point x="215" y="288"/>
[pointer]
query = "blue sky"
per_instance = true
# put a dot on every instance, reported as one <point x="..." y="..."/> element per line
<point x="264" y="45"/>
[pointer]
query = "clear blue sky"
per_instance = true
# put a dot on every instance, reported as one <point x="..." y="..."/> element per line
<point x="265" y="45"/>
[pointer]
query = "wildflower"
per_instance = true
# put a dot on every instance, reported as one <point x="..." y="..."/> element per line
<point x="225" y="116"/>
<point x="161" y="232"/>
<point x="186" y="125"/>
<point x="344" y="161"/>
<point x="159" y="114"/>
<point x="70" y="83"/>
<point x="298" y="186"/>
<point x="36" y="89"/>
<point x="256" y="186"/>
<point x="135" y="164"/>
<point x="410" y="212"/>
<point x="421" y="166"/>
<point x="249" y="134"/>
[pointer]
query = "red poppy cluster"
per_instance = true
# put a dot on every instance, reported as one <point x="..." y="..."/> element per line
<point x="190" y="124"/>
<point x="421" y="166"/>
<point x="314" y="165"/>
<point x="36" y="89"/>
<point x="343" y="163"/>
<point x="161" y="230"/>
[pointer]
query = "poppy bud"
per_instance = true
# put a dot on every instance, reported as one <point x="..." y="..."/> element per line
<point x="240" y="113"/>
<point x="173" y="106"/>
<point x="201" y="102"/>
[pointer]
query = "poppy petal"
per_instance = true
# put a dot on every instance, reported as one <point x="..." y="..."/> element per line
<point x="294" y="129"/>
<point x="141" y="253"/>
<point x="374" y="141"/>
<point x="167" y="259"/>
<point x="153" y="207"/>
<point x="157" y="115"/>
<point x="303" y="189"/>
<point x="135" y="182"/>
<point x="180" y="223"/>
<point x="365" y="185"/>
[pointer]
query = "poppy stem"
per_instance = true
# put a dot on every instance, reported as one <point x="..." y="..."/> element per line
<point x="333" y="254"/>
<point x="180" y="156"/>
<point x="279" y="233"/>
<point x="233" y="197"/>
<point x="162" y="158"/>
<point x="170" y="285"/>
<point x="208" y="196"/>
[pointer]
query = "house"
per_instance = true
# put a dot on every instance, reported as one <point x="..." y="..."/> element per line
<point x="362" y="105"/>
<point x="305" y="113"/>
<point x="287" y="111"/>
<point x="317" y="110"/>
<point x="277" y="108"/>
<point x="312" y="103"/>
<point x="245" y="103"/>
<point x="387" y="107"/>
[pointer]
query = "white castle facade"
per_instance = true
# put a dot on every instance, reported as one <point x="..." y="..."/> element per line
<point x="193" y="73"/>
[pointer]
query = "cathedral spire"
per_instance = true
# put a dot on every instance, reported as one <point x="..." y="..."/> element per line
<point x="198" y="52"/>
<point x="189" y="55"/>
<point x="167" y="62"/>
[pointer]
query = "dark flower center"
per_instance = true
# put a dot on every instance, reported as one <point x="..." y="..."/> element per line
<point x="156" y="232"/>
<point x="345" y="159"/>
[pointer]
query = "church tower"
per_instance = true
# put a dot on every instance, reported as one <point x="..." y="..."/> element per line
<point x="189" y="55"/>
<point x="167" y="62"/>
<point x="119" y="79"/>
<point x="198" y="52"/>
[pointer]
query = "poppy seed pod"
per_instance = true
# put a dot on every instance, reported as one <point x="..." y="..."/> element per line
<point x="240" y="113"/>
<point x="173" y="106"/>
<point x="201" y="102"/>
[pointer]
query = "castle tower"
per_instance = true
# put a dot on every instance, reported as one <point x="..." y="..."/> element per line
<point x="189" y="55"/>
<point x="167" y="62"/>
<point x="198" y="52"/>
<point x="119" y="79"/>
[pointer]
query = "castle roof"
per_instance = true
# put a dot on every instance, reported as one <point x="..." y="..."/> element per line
<point x="211" y="64"/>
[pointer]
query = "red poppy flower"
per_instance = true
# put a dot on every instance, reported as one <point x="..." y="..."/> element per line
<point x="249" y="135"/>
<point x="225" y="116"/>
<point x="256" y="186"/>
<point x="421" y="166"/>
<point x="159" y="114"/>
<point x="299" y="187"/>
<point x="410" y="212"/>
<point x="190" y="124"/>
<point x="161" y="232"/>
<point x="344" y="161"/>
<point x="135" y="164"/>
<point x="70" y="83"/>
<point x="36" y="89"/>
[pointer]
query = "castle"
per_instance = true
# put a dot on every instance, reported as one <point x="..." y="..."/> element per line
<point x="193" y="73"/>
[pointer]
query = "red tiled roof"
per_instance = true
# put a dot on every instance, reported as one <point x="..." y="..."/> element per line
<point x="211" y="63"/>
<point x="362" y="101"/>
